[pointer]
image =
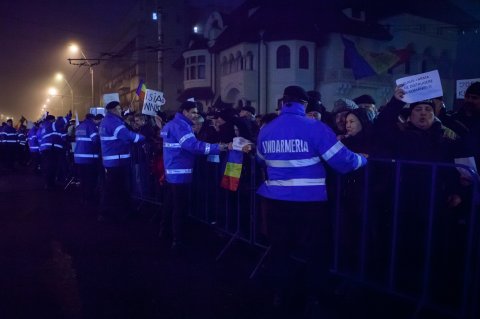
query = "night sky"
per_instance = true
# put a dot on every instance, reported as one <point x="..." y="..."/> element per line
<point x="35" y="37"/>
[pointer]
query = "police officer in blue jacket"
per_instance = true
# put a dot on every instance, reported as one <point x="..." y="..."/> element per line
<point x="180" y="146"/>
<point x="34" y="147"/>
<point x="115" y="141"/>
<point x="294" y="148"/>
<point x="52" y="146"/>
<point x="10" y="142"/>
<point x="86" y="156"/>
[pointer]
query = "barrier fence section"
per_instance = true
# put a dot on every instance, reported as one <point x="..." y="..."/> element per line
<point x="406" y="228"/>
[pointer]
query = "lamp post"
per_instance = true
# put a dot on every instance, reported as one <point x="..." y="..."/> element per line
<point x="60" y="77"/>
<point x="74" y="49"/>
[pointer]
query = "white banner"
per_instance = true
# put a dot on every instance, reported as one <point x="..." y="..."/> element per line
<point x="110" y="97"/>
<point x="421" y="87"/>
<point x="97" y="110"/>
<point x="153" y="102"/>
<point x="462" y="86"/>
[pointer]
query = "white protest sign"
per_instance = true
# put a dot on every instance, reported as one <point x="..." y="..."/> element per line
<point x="462" y="86"/>
<point x="97" y="110"/>
<point x="153" y="102"/>
<point x="110" y="97"/>
<point x="421" y="87"/>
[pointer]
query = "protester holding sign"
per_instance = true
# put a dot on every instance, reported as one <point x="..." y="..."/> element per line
<point x="421" y="138"/>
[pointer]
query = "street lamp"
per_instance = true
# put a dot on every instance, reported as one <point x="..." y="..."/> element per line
<point x="74" y="49"/>
<point x="59" y="77"/>
<point x="54" y="92"/>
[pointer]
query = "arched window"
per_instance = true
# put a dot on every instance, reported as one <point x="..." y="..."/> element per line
<point x="283" y="57"/>
<point x="231" y="61"/>
<point x="238" y="62"/>
<point x="303" y="58"/>
<point x="224" y="66"/>
<point x="249" y="61"/>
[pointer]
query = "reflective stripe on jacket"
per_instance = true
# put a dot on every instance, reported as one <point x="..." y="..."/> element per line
<point x="33" y="140"/>
<point x="53" y="134"/>
<point x="87" y="143"/>
<point x="180" y="147"/>
<point x="292" y="147"/>
<point x="115" y="139"/>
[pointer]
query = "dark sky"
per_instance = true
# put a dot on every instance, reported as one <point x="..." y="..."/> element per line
<point x="35" y="37"/>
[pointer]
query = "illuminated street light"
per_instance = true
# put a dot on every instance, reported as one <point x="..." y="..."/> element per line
<point x="59" y="77"/>
<point x="74" y="49"/>
<point x="54" y="92"/>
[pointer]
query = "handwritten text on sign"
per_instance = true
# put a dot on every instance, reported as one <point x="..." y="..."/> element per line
<point x="153" y="102"/>
<point x="421" y="87"/>
<point x="462" y="86"/>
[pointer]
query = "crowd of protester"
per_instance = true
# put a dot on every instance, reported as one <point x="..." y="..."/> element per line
<point x="424" y="131"/>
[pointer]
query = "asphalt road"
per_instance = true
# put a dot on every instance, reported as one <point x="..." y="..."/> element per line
<point x="58" y="261"/>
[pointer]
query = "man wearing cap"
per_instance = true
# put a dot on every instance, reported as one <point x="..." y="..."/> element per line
<point x="115" y="141"/>
<point x="180" y="146"/>
<point x="86" y="156"/>
<point x="294" y="196"/>
<point x="247" y="124"/>
<point x="367" y="102"/>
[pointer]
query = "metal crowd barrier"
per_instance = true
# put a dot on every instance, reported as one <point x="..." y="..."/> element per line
<point x="394" y="231"/>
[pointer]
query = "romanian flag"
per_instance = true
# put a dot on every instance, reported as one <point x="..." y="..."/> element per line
<point x="233" y="170"/>
<point x="366" y="63"/>
<point x="141" y="90"/>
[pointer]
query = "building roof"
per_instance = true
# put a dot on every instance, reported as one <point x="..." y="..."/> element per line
<point x="293" y="19"/>
<point x="275" y="20"/>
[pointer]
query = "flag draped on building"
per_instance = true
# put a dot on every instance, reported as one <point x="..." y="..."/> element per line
<point x="141" y="90"/>
<point x="367" y="63"/>
<point x="233" y="170"/>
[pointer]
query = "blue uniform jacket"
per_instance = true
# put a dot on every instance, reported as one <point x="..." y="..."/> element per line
<point x="180" y="147"/>
<point x="87" y="146"/>
<point x="10" y="135"/>
<point x="33" y="140"/>
<point x="53" y="135"/>
<point x="115" y="139"/>
<point x="293" y="147"/>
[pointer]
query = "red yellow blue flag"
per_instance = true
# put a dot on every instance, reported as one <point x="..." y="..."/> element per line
<point x="367" y="63"/>
<point x="233" y="170"/>
<point x="141" y="90"/>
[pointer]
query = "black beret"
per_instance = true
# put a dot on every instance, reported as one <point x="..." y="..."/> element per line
<point x="313" y="107"/>
<point x="50" y="117"/>
<point x="474" y="88"/>
<point x="314" y="96"/>
<point x="112" y="105"/>
<point x="295" y="93"/>
<point x="365" y="98"/>
<point x="428" y="102"/>
<point x="187" y="105"/>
